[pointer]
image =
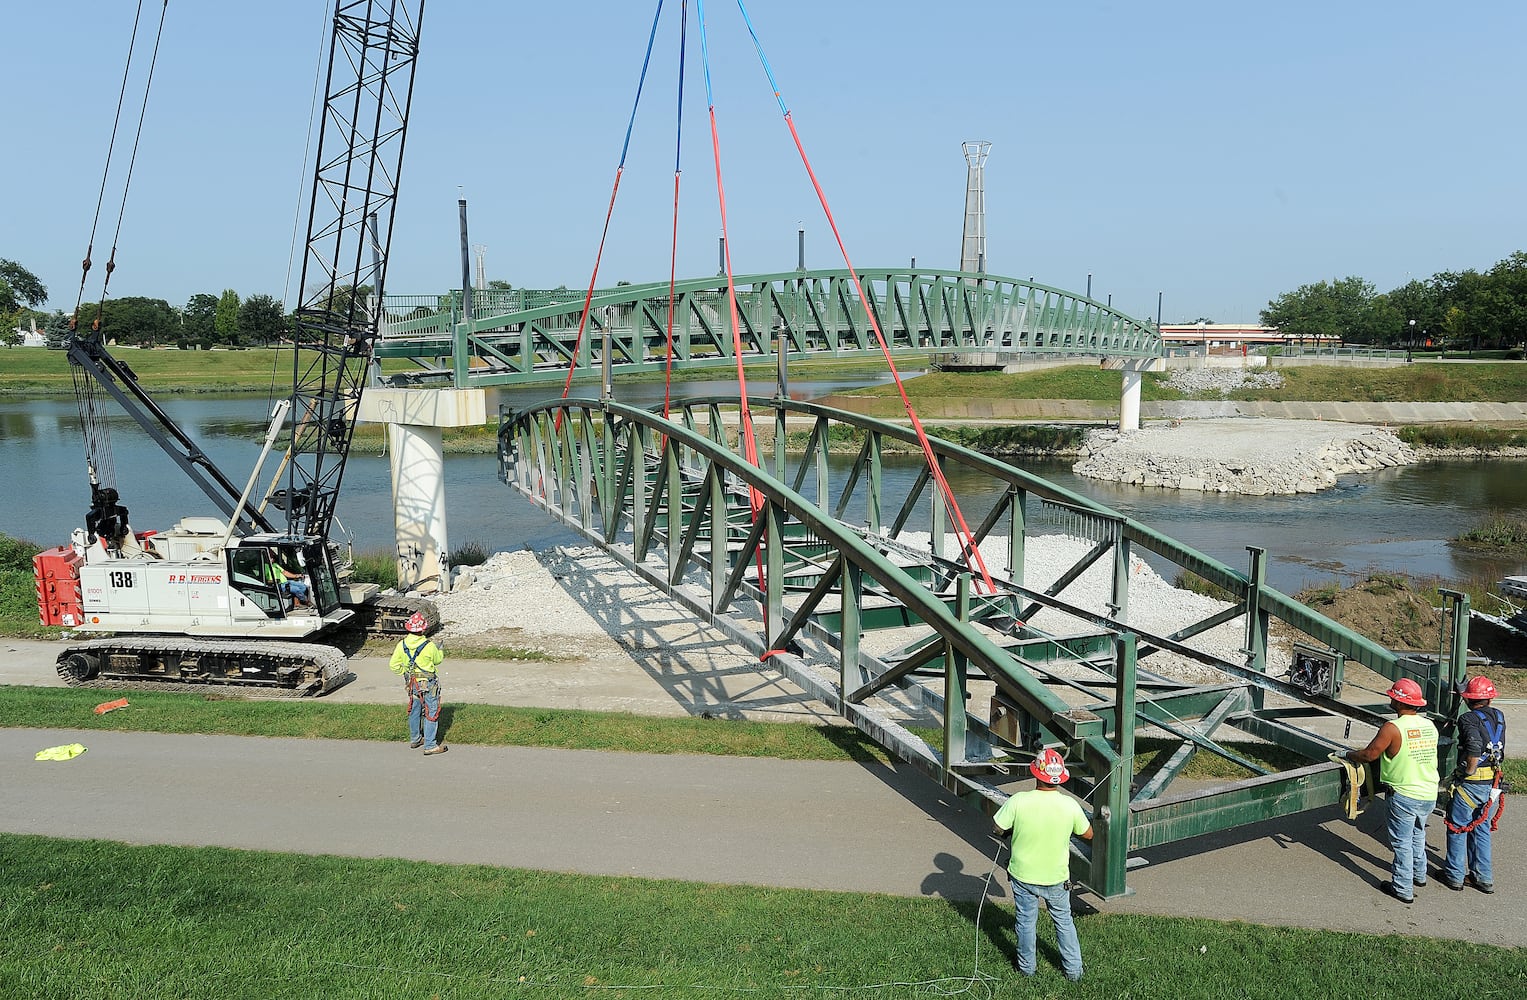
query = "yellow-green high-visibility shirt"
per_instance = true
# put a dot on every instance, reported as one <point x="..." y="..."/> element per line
<point x="1413" y="771"/>
<point x="426" y="658"/>
<point x="1042" y="825"/>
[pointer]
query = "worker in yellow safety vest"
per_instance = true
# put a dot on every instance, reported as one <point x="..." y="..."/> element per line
<point x="1406" y="750"/>
<point x="418" y="659"/>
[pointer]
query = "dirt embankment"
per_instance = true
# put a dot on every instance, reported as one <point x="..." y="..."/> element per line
<point x="1399" y="614"/>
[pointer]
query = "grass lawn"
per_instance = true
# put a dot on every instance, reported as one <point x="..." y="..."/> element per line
<point x="1411" y="383"/>
<point x="94" y="919"/>
<point x="218" y="713"/>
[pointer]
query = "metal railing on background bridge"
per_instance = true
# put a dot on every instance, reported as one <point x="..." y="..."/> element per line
<point x="519" y="337"/>
<point x="854" y="613"/>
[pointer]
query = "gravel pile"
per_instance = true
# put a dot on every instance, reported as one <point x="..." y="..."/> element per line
<point x="520" y="590"/>
<point x="569" y="600"/>
<point x="1251" y="457"/>
<point x="1223" y="380"/>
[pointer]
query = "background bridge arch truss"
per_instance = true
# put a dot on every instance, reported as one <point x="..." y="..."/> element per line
<point x="520" y="337"/>
<point x="855" y="612"/>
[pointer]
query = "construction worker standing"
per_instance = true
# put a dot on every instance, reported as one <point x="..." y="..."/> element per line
<point x="418" y="659"/>
<point x="1406" y="750"/>
<point x="1476" y="790"/>
<point x="1042" y="822"/>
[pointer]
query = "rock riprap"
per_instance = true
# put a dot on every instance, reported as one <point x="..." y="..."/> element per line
<point x="1251" y="457"/>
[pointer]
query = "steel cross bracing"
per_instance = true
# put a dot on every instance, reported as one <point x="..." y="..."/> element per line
<point x="519" y="337"/>
<point x="877" y="626"/>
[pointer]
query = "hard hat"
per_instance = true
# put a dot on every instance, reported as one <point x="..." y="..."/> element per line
<point x="1050" y="768"/>
<point x="1478" y="689"/>
<point x="1407" y="692"/>
<point x="416" y="623"/>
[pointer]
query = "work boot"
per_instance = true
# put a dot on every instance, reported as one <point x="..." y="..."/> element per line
<point x="1485" y="887"/>
<point x="1387" y="889"/>
<point x="439" y="748"/>
<point x="416" y="744"/>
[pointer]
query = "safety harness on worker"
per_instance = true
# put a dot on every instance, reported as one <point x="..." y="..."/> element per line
<point x="419" y="679"/>
<point x="1493" y="757"/>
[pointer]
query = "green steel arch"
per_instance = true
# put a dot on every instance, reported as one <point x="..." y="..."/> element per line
<point x="523" y="337"/>
<point x="675" y="502"/>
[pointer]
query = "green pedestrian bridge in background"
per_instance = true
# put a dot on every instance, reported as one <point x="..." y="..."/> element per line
<point x="529" y="337"/>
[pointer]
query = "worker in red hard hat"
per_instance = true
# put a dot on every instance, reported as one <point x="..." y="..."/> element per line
<point x="1406" y="750"/>
<point x="1476" y="790"/>
<point x="418" y="659"/>
<point x="1042" y="822"/>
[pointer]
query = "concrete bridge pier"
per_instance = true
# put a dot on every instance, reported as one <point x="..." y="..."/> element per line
<point x="415" y="420"/>
<point x="1134" y="370"/>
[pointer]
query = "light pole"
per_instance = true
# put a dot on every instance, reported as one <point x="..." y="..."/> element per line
<point x="1411" y="342"/>
<point x="1203" y="335"/>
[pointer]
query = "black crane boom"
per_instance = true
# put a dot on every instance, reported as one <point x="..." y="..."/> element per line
<point x="372" y="56"/>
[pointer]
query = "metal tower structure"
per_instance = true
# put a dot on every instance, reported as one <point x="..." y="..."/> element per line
<point x="973" y="242"/>
<point x="481" y="252"/>
<point x="372" y="54"/>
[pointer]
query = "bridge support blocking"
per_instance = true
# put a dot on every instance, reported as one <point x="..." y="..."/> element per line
<point x="1134" y="370"/>
<point x="415" y="420"/>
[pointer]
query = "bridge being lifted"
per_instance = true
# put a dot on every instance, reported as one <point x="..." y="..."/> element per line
<point x="819" y="573"/>
<point x="847" y="579"/>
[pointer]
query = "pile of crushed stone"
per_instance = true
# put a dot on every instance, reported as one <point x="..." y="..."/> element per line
<point x="1223" y="380"/>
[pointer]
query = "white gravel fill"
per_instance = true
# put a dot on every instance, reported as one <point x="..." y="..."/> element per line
<point x="525" y="590"/>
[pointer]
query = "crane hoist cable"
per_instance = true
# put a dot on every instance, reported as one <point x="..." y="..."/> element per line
<point x="94" y="427"/>
<point x="970" y="550"/>
<point x="673" y="251"/>
<point x="625" y="148"/>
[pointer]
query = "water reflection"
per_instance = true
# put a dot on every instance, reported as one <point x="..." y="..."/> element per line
<point x="1395" y="520"/>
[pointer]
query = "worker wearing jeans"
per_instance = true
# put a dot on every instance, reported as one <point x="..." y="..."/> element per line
<point x="1042" y="822"/>
<point x="418" y="659"/>
<point x="1406" y="750"/>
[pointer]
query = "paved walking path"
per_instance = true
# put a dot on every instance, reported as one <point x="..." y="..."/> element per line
<point x="839" y="826"/>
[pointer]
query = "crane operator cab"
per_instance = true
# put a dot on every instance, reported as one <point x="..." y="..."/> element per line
<point x="282" y="576"/>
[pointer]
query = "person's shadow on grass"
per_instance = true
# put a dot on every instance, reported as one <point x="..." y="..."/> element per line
<point x="972" y="896"/>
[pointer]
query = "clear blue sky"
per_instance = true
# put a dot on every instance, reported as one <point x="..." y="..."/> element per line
<point x="1221" y="152"/>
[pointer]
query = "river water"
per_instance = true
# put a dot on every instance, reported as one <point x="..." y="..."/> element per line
<point x="1396" y="520"/>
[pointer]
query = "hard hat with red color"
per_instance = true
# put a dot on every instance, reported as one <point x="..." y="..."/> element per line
<point x="416" y="623"/>
<point x="1050" y="768"/>
<point x="1478" y="689"/>
<point x="1407" y="692"/>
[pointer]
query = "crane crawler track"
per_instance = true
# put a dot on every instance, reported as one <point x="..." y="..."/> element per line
<point x="389" y="615"/>
<point x="284" y="669"/>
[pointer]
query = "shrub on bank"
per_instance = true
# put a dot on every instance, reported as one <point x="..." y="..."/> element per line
<point x="1462" y="437"/>
<point x="18" y="589"/>
<point x="1502" y="534"/>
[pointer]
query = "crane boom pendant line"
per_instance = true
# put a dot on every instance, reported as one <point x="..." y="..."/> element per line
<point x="970" y="550"/>
<point x="588" y="297"/>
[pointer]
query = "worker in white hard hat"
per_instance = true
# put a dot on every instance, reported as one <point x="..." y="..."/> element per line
<point x="1042" y="822"/>
<point x="1406" y="750"/>
<point x="1475" y="806"/>
<point x="418" y="659"/>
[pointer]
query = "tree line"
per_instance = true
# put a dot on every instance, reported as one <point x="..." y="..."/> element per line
<point x="1451" y="310"/>
<point x="205" y="321"/>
